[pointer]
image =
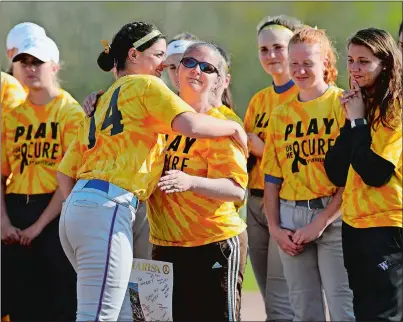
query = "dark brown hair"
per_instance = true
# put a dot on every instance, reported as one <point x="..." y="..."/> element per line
<point x="123" y="41"/>
<point x="383" y="100"/>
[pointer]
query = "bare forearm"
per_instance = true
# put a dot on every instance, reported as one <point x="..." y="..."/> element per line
<point x="257" y="150"/>
<point x="272" y="204"/>
<point x="66" y="184"/>
<point x="220" y="189"/>
<point x="198" y="125"/>
<point x="332" y="211"/>
<point x="52" y="210"/>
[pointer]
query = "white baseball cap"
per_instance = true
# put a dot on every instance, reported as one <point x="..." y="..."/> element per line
<point x="42" y="48"/>
<point x="178" y="46"/>
<point x="20" y="32"/>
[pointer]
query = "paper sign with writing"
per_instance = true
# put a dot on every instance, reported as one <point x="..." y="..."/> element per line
<point x="151" y="284"/>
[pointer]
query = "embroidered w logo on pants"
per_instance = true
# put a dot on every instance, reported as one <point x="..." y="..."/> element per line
<point x="384" y="265"/>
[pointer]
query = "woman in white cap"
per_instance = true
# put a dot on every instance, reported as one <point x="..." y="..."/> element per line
<point x="37" y="135"/>
<point x="12" y="95"/>
<point x="15" y="38"/>
<point x="175" y="49"/>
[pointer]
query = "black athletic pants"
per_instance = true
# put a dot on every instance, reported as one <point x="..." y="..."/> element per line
<point x="38" y="282"/>
<point x="373" y="259"/>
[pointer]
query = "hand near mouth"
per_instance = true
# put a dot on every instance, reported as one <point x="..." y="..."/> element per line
<point x="353" y="102"/>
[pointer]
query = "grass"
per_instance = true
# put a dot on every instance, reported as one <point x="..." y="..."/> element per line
<point x="249" y="282"/>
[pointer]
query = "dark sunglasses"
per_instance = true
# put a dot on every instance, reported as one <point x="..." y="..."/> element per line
<point x="190" y="62"/>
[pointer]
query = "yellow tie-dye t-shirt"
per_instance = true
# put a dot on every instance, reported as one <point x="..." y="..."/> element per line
<point x="229" y="114"/>
<point x="256" y="120"/>
<point x="35" y="140"/>
<point x="298" y="137"/>
<point x="12" y="93"/>
<point x="365" y="206"/>
<point x="189" y="219"/>
<point x="121" y="142"/>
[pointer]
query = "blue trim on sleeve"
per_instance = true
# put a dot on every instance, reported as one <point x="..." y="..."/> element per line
<point x="272" y="179"/>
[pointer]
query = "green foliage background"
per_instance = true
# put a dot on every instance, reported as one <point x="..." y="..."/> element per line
<point x="78" y="27"/>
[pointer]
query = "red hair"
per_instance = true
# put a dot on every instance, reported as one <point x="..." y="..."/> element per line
<point x="314" y="36"/>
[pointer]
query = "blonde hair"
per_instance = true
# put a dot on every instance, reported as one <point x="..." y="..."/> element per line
<point x="309" y="35"/>
<point x="56" y="79"/>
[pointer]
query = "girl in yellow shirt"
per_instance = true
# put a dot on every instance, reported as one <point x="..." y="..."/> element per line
<point x="301" y="203"/>
<point x="273" y="35"/>
<point x="117" y="158"/>
<point x="35" y="137"/>
<point x="367" y="161"/>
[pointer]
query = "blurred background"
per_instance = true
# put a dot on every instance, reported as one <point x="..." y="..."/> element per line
<point x="78" y="27"/>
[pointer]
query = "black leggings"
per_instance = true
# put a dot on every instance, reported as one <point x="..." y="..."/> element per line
<point x="373" y="260"/>
<point x="38" y="282"/>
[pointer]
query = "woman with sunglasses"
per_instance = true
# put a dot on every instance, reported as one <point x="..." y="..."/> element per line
<point x="175" y="49"/>
<point x="117" y="158"/>
<point x="192" y="215"/>
<point x="37" y="135"/>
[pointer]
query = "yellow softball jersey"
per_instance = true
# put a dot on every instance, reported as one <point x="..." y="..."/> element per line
<point x="34" y="141"/>
<point x="298" y="137"/>
<point x="365" y="206"/>
<point x="12" y="93"/>
<point x="120" y="143"/>
<point x="256" y="120"/>
<point x="188" y="219"/>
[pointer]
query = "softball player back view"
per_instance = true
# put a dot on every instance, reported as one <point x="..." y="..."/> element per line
<point x="120" y="162"/>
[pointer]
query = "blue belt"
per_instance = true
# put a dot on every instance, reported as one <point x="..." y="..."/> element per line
<point x="104" y="186"/>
